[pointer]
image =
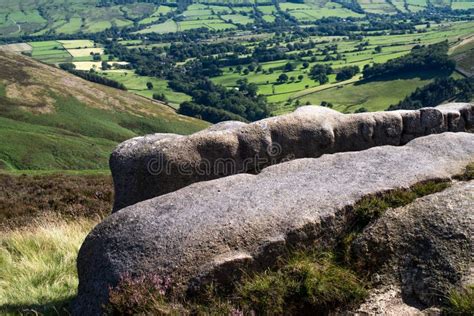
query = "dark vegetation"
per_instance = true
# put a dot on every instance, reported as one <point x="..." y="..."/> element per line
<point x="347" y="73"/>
<point x="437" y="92"/>
<point x="420" y="58"/>
<point x="320" y="72"/>
<point x="242" y="104"/>
<point x="208" y="113"/>
<point x="25" y="198"/>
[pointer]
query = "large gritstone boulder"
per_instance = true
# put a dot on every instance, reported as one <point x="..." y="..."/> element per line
<point x="146" y="167"/>
<point x="211" y="231"/>
<point x="425" y="248"/>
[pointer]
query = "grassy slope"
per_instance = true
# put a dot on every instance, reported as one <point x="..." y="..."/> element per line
<point x="53" y="120"/>
<point x="375" y="95"/>
<point x="463" y="54"/>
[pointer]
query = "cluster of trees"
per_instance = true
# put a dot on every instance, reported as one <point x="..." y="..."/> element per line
<point x="320" y="72"/>
<point x="207" y="113"/>
<point x="92" y="76"/>
<point x="160" y="97"/>
<point x="183" y="51"/>
<point x="282" y="78"/>
<point x="435" y="93"/>
<point x="243" y="103"/>
<point x="419" y="59"/>
<point x="347" y="73"/>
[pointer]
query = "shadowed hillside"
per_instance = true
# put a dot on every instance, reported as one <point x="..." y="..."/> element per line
<point x="50" y="119"/>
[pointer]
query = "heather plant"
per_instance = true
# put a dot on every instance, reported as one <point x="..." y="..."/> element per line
<point x="141" y="294"/>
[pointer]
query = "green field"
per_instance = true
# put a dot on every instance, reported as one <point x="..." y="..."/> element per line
<point x="372" y="95"/>
<point x="50" y="52"/>
<point x="137" y="84"/>
<point x="70" y="17"/>
<point x="168" y="26"/>
<point x="393" y="46"/>
<point x="462" y="5"/>
<point x="305" y="12"/>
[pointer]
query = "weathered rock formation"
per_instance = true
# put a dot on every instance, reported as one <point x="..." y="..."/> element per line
<point x="146" y="167"/>
<point x="425" y="248"/>
<point x="210" y="231"/>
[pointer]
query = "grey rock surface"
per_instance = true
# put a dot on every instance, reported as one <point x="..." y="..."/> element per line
<point x="426" y="248"/>
<point x="146" y="167"/>
<point x="211" y="231"/>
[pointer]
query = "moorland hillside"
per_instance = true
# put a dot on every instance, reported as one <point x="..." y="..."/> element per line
<point x="53" y="120"/>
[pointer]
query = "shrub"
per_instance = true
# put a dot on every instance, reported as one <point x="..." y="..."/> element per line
<point x="141" y="294"/>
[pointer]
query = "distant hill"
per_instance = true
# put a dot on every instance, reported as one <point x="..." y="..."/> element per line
<point x="50" y="119"/>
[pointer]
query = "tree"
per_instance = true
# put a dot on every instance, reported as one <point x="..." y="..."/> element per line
<point x="419" y="59"/>
<point x="347" y="73"/>
<point x="160" y="97"/>
<point x="246" y="71"/>
<point x="288" y="67"/>
<point x="378" y="49"/>
<point x="149" y="85"/>
<point x="326" y="104"/>
<point x="300" y="77"/>
<point x="305" y="65"/>
<point x="105" y="66"/>
<point x="67" y="66"/>
<point x="320" y="73"/>
<point x="282" y="78"/>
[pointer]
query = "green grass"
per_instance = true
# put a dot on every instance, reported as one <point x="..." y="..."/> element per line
<point x="137" y="84"/>
<point x="168" y="26"/>
<point x="331" y="9"/>
<point x="370" y="208"/>
<point x="49" y="51"/>
<point x="70" y="27"/>
<point x="32" y="146"/>
<point x="307" y="281"/>
<point x="372" y="95"/>
<point x="74" y="136"/>
<point x="461" y="302"/>
<point x="267" y="9"/>
<point x="68" y="133"/>
<point x="38" y="266"/>
<point x="237" y="18"/>
<point x="97" y="26"/>
<point x="465" y="5"/>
